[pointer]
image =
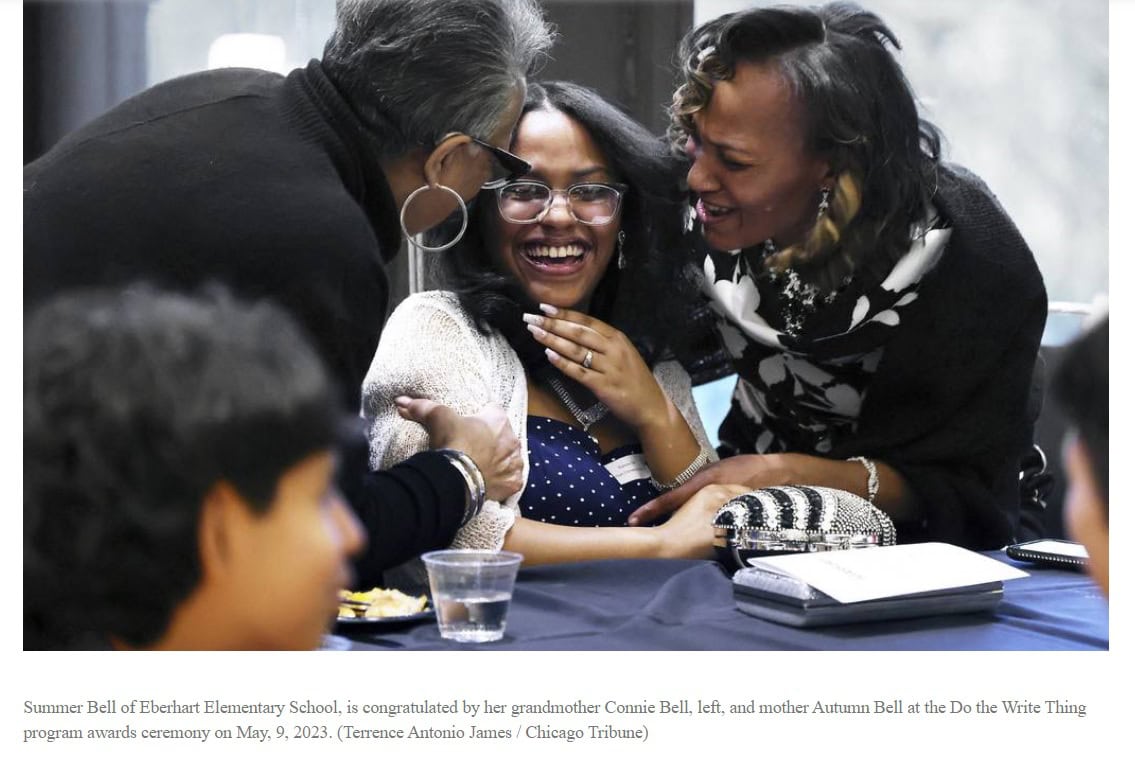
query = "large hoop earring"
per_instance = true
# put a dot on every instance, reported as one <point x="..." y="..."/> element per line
<point x="438" y="248"/>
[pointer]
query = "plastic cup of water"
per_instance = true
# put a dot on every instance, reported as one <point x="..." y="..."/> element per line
<point x="471" y="592"/>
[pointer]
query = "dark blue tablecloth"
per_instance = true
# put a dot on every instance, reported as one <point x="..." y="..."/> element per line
<point x="682" y="605"/>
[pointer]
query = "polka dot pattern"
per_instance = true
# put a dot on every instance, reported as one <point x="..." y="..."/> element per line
<point x="568" y="482"/>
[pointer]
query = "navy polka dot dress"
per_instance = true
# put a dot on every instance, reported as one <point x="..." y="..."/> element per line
<point x="571" y="482"/>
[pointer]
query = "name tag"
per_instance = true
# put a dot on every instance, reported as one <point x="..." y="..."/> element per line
<point x="629" y="468"/>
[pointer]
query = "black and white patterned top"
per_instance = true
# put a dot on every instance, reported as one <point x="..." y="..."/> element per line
<point x="947" y="403"/>
<point x="805" y="359"/>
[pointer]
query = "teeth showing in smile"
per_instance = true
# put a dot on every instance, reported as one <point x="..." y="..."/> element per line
<point x="714" y="210"/>
<point x="554" y="251"/>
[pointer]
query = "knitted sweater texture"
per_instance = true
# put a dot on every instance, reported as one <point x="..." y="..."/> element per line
<point x="432" y="349"/>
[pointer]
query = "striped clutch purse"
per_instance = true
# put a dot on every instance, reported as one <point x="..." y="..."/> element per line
<point x="797" y="519"/>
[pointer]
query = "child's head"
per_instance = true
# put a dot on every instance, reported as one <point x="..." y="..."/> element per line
<point x="1081" y="387"/>
<point x="178" y="489"/>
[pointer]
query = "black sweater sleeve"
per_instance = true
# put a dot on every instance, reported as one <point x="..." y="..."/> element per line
<point x="964" y="475"/>
<point x="408" y="509"/>
<point x="948" y="405"/>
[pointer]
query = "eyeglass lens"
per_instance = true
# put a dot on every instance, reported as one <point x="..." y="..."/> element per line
<point x="589" y="203"/>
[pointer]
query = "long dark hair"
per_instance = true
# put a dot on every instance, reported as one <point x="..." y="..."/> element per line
<point x="860" y="115"/>
<point x="650" y="298"/>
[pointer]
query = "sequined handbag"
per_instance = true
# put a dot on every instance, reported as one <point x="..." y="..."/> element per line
<point x="796" y="519"/>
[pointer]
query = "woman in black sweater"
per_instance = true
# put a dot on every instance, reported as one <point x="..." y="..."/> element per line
<point x="300" y="189"/>
<point x="882" y="312"/>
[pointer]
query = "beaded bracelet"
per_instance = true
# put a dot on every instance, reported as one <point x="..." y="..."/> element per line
<point x="474" y="481"/>
<point x="685" y="475"/>
<point x="872" y="477"/>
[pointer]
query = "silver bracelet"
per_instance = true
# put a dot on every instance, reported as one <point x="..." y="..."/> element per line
<point x="474" y="481"/>
<point x="685" y="475"/>
<point x="872" y="477"/>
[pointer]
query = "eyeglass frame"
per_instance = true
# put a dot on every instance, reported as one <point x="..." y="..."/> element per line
<point x="512" y="163"/>
<point x="619" y="188"/>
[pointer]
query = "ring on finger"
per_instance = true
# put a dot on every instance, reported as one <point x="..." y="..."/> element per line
<point x="587" y="360"/>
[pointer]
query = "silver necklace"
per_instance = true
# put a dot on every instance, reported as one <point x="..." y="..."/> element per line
<point x="799" y="299"/>
<point x="585" y="417"/>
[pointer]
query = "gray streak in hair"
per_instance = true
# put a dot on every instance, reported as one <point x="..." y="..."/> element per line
<point x="415" y="70"/>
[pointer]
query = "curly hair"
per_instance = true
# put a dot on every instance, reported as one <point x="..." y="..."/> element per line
<point x="136" y="403"/>
<point x="860" y="115"/>
<point x="652" y="217"/>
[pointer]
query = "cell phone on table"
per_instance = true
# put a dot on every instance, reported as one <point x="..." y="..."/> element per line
<point x="1050" y="552"/>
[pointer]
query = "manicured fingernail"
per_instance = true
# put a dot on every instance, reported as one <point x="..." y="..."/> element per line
<point x="536" y="330"/>
<point x="549" y="310"/>
<point x="402" y="400"/>
<point x="533" y="319"/>
<point x="552" y="355"/>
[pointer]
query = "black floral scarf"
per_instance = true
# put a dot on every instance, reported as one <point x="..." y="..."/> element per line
<point x="805" y="359"/>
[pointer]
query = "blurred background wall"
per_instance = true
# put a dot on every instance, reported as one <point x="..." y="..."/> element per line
<point x="1019" y="87"/>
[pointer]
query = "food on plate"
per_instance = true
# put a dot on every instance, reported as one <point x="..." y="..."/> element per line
<point x="379" y="602"/>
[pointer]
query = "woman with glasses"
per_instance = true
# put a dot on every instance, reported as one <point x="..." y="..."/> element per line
<point x="881" y="310"/>
<point x="567" y="294"/>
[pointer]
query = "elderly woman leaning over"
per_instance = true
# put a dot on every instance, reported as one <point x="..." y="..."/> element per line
<point x="882" y="312"/>
<point x="298" y="188"/>
<point x="564" y="304"/>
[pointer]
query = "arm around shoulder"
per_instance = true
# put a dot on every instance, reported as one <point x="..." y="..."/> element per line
<point x="428" y="350"/>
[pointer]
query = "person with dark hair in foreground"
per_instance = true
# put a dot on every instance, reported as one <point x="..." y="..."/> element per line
<point x="1080" y="386"/>
<point x="881" y="310"/>
<point x="301" y="188"/>
<point x="178" y="476"/>
<point x="607" y="416"/>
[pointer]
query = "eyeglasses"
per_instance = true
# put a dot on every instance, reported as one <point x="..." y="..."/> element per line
<point x="506" y="166"/>
<point x="591" y="203"/>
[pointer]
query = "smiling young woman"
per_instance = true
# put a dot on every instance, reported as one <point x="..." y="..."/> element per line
<point x="548" y="236"/>
<point x="568" y="295"/>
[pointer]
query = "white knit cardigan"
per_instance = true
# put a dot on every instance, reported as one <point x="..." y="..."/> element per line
<point x="430" y="348"/>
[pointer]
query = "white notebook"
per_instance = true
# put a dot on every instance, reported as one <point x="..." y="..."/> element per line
<point x="872" y="573"/>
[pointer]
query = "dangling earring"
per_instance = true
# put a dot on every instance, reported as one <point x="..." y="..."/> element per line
<point x="768" y="248"/>
<point x="622" y="238"/>
<point x="825" y="201"/>
<point x="460" y="204"/>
